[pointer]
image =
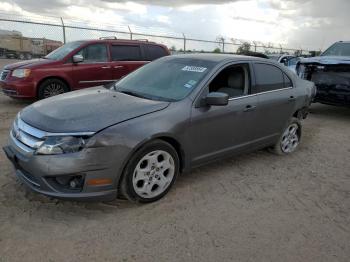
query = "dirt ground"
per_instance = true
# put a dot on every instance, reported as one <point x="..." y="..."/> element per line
<point x="255" y="207"/>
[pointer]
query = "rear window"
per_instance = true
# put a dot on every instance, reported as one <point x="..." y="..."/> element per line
<point x="153" y="52"/>
<point x="126" y="53"/>
<point x="268" y="77"/>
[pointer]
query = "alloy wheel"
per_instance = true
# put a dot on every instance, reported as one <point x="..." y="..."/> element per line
<point x="153" y="174"/>
<point x="53" y="89"/>
<point x="290" y="138"/>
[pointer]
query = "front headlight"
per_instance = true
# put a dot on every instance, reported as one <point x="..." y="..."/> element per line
<point x="56" y="145"/>
<point x="21" y="73"/>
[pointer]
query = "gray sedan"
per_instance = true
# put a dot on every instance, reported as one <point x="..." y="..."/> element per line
<point x="176" y="113"/>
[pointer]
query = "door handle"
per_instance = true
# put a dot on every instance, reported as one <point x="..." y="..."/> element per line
<point x="105" y="67"/>
<point x="116" y="67"/>
<point x="249" y="108"/>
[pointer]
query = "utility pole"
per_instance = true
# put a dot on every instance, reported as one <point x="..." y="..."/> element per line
<point x="184" y="42"/>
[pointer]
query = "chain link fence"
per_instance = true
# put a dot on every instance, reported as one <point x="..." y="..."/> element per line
<point x="26" y="37"/>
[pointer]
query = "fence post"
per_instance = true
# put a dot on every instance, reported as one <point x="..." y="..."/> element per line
<point x="130" y="33"/>
<point x="184" y="42"/>
<point x="64" y="30"/>
<point x="223" y="45"/>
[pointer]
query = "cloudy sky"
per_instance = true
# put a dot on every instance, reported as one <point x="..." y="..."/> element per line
<point x="311" y="24"/>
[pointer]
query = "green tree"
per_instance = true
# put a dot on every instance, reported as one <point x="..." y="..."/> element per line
<point x="244" y="48"/>
<point x="217" y="50"/>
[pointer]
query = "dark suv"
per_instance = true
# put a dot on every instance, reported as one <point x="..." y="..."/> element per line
<point x="78" y="65"/>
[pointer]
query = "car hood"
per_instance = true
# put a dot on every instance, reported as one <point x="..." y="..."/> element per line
<point x="88" y="110"/>
<point x="29" y="64"/>
<point x="326" y="60"/>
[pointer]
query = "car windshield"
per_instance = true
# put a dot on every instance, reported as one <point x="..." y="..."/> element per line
<point x="64" y="50"/>
<point x="338" y="49"/>
<point x="167" y="79"/>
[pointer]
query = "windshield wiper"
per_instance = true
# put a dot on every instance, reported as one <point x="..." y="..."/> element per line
<point x="131" y="93"/>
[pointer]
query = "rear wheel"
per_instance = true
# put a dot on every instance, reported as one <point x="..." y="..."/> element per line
<point x="290" y="138"/>
<point x="150" y="173"/>
<point x="52" y="87"/>
<point x="21" y="56"/>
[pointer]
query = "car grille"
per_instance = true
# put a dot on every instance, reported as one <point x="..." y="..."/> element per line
<point x="26" y="134"/>
<point x="4" y="74"/>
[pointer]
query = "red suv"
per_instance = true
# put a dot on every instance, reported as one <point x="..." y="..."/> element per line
<point x="78" y="65"/>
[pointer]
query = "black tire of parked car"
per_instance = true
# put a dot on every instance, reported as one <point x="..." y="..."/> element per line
<point x="277" y="148"/>
<point x="126" y="185"/>
<point x="21" y="56"/>
<point x="52" y="87"/>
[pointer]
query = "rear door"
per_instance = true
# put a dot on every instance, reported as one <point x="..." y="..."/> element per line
<point x="276" y="100"/>
<point x="95" y="69"/>
<point x="125" y="59"/>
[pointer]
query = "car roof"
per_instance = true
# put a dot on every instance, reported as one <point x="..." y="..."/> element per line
<point x="219" y="57"/>
<point x="125" y="41"/>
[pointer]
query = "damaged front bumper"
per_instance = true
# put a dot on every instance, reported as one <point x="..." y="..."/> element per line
<point x="332" y="82"/>
<point x="52" y="175"/>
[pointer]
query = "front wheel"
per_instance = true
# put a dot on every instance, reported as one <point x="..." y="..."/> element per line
<point x="51" y="87"/>
<point x="151" y="172"/>
<point x="290" y="138"/>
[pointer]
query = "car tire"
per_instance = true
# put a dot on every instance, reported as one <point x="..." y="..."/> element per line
<point x="22" y="56"/>
<point x="52" y="87"/>
<point x="289" y="139"/>
<point x="150" y="173"/>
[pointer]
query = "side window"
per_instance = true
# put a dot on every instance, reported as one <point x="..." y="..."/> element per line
<point x="233" y="80"/>
<point x="287" y="81"/>
<point x="126" y="53"/>
<point x="94" y="53"/>
<point x="154" y="52"/>
<point x="268" y="77"/>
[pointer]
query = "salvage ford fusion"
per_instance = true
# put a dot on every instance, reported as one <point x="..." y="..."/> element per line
<point x="171" y="115"/>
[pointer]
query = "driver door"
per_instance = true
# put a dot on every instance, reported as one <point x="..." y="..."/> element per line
<point x="216" y="131"/>
<point x="96" y="69"/>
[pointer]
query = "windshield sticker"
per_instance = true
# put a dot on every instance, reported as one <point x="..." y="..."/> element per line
<point x="190" y="84"/>
<point x="196" y="69"/>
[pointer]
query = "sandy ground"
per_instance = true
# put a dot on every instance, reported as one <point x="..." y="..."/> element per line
<point x="255" y="207"/>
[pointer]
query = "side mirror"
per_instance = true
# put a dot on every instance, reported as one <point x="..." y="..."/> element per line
<point x="78" y="59"/>
<point x="216" y="99"/>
